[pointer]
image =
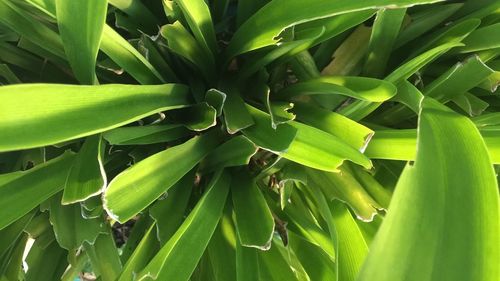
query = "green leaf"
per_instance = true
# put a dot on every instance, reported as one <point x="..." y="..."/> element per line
<point x="403" y="144"/>
<point x="471" y="104"/>
<point x="344" y="186"/>
<point x="181" y="42"/>
<point x="459" y="79"/>
<point x="335" y="25"/>
<point x="254" y="221"/>
<point x="482" y="39"/>
<point x="407" y="69"/>
<point x="11" y="233"/>
<point x="362" y="88"/>
<point x="300" y="220"/>
<point x="320" y="150"/>
<point x="351" y="132"/>
<point x="247" y="263"/>
<point x="141" y="256"/>
<point x="222" y="247"/>
<point x="487" y="120"/>
<point x="216" y="99"/>
<point x="77" y="260"/>
<point x="45" y="263"/>
<point x="424" y="21"/>
<point x="348" y="58"/>
<point x="15" y="266"/>
<point x="80" y="24"/>
<point x="384" y="33"/>
<point x="454" y="33"/>
<point x="40" y="229"/>
<point x="86" y="177"/>
<point x="257" y="61"/>
<point x="381" y="194"/>
<point x="18" y="20"/>
<point x="138" y="186"/>
<point x="199" y="19"/>
<point x="264" y="27"/>
<point x="453" y="83"/>
<point x="236" y="115"/>
<point x="20" y="192"/>
<point x="352" y="248"/>
<point x="237" y="151"/>
<point x="265" y="136"/>
<point x="70" y="228"/>
<point x="192" y="237"/>
<point x="437" y="209"/>
<point x="302" y="144"/>
<point x="316" y="263"/>
<point x="104" y="257"/>
<point x="20" y="58"/>
<point x="274" y="265"/>
<point x="141" y="135"/>
<point x="139" y="13"/>
<point x="169" y="213"/>
<point x="141" y="225"/>
<point x="77" y="111"/>
<point x="9" y="76"/>
<point x="127" y="57"/>
<point x="198" y="117"/>
<point x="112" y="43"/>
<point x="149" y="46"/>
<point x="246" y="8"/>
<point x="360" y="109"/>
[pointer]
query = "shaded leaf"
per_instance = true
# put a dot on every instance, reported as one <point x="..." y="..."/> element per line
<point x="199" y="19"/>
<point x="70" y="228"/>
<point x="141" y="256"/>
<point x="140" y="135"/>
<point x="362" y="88"/>
<point x="104" y="257"/>
<point x="86" y="177"/>
<point x="481" y="39"/>
<point x="198" y="117"/>
<point x="20" y="192"/>
<point x="169" y="213"/>
<point x="237" y="151"/>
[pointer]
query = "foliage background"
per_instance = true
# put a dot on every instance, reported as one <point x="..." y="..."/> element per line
<point x="249" y="140"/>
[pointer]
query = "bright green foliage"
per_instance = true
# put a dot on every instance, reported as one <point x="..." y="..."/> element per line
<point x="450" y="208"/>
<point x="81" y="41"/>
<point x="222" y="140"/>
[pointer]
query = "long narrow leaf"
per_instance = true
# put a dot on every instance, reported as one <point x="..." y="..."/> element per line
<point x="80" y="24"/>
<point x="192" y="237"/>
<point x="427" y="226"/>
<point x="137" y="187"/>
<point x="70" y="112"/>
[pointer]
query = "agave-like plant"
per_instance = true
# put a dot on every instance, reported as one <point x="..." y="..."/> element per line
<point x="249" y="140"/>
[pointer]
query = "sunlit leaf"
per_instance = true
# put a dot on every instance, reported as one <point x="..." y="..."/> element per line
<point x="81" y="34"/>
<point x="427" y="225"/>
<point x="86" y="177"/>
<point x="193" y="235"/>
<point x="264" y="27"/>
<point x="253" y="219"/>
<point x="77" y="111"/>
<point x="122" y="199"/>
